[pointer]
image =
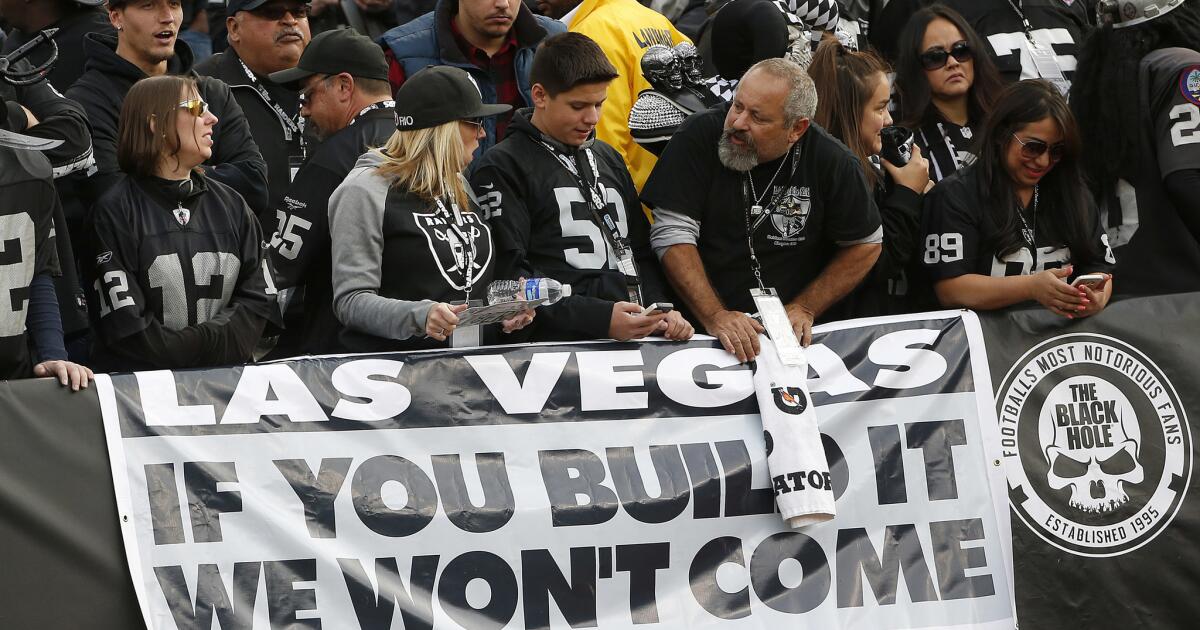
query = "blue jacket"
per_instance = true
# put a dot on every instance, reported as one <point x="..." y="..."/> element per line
<point x="428" y="41"/>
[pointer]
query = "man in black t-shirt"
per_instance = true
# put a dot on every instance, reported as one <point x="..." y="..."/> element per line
<point x="758" y="166"/>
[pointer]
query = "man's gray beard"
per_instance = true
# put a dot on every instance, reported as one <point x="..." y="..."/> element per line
<point x="740" y="159"/>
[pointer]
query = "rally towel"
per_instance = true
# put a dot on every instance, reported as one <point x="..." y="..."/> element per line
<point x="795" y="457"/>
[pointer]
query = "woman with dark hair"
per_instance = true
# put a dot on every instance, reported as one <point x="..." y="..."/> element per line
<point x="1018" y="224"/>
<point x="947" y="83"/>
<point x="1137" y="96"/>
<point x="179" y="276"/>
<point x="853" y="94"/>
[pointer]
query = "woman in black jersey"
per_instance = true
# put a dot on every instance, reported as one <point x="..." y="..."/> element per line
<point x="1018" y="224"/>
<point x="946" y="84"/>
<point x="178" y="275"/>
<point x="409" y="244"/>
<point x="853" y="94"/>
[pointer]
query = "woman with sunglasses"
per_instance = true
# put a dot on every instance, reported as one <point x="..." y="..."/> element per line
<point x="179" y="277"/>
<point x="410" y="246"/>
<point x="1019" y="224"/>
<point x="946" y="86"/>
<point x="853" y="94"/>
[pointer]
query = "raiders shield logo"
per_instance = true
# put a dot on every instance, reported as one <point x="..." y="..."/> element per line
<point x="791" y="216"/>
<point x="790" y="400"/>
<point x="451" y="253"/>
<point x="183" y="215"/>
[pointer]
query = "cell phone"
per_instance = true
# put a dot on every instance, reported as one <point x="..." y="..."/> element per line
<point x="658" y="307"/>
<point x="1090" y="280"/>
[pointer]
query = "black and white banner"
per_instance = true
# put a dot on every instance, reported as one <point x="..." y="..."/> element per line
<point x="604" y="485"/>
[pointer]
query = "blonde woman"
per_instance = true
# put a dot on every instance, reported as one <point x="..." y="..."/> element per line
<point x="407" y="238"/>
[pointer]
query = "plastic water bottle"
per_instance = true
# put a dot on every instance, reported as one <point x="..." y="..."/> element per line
<point x="532" y="289"/>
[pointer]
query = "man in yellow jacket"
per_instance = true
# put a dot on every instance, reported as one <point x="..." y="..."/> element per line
<point x="624" y="29"/>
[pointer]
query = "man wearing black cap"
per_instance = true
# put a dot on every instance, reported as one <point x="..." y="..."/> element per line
<point x="265" y="36"/>
<point x="146" y="45"/>
<point x="72" y="18"/>
<point x="564" y="206"/>
<point x="347" y="103"/>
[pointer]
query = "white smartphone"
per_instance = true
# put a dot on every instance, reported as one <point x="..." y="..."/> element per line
<point x="658" y="307"/>
<point x="1090" y="280"/>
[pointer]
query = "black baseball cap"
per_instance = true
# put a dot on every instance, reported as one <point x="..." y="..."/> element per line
<point x="233" y="6"/>
<point x="438" y="95"/>
<point x="334" y="52"/>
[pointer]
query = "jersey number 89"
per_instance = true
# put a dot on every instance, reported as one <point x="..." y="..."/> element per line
<point x="944" y="248"/>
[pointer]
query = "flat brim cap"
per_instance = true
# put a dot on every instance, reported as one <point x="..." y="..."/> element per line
<point x="334" y="52"/>
<point x="90" y="3"/>
<point x="438" y="95"/>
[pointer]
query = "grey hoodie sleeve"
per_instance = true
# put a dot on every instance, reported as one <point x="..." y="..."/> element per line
<point x="356" y="227"/>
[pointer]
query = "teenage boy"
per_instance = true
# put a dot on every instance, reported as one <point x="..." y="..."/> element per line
<point x="562" y="205"/>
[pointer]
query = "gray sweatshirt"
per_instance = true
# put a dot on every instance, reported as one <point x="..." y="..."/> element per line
<point x="356" y="230"/>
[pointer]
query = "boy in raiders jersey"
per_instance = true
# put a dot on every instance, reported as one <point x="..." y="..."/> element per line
<point x="31" y="335"/>
<point x="1138" y="103"/>
<point x="179" y="276"/>
<point x="562" y="204"/>
<point x="1018" y="224"/>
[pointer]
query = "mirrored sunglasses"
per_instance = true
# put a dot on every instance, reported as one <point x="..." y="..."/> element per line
<point x="936" y="59"/>
<point x="195" y="106"/>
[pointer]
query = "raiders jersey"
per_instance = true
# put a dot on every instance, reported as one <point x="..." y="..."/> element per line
<point x="945" y="145"/>
<point x="176" y="260"/>
<point x="26" y="249"/>
<point x="957" y="235"/>
<point x="1155" y="251"/>
<point x="544" y="227"/>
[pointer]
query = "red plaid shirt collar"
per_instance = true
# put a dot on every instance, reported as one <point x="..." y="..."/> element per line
<point x="501" y="67"/>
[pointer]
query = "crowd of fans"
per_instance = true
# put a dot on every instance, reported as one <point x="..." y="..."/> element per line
<point x="190" y="184"/>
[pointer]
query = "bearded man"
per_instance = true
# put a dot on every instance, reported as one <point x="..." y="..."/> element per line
<point x="751" y="195"/>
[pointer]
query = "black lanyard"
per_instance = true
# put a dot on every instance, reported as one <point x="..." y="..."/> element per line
<point x="370" y="108"/>
<point x="1027" y="233"/>
<point x="290" y="126"/>
<point x="469" y="250"/>
<point x="1016" y="6"/>
<point x="763" y="212"/>
<point x="593" y="197"/>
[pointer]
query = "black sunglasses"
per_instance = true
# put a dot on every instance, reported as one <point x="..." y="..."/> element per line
<point x="276" y="11"/>
<point x="936" y="58"/>
<point x="1033" y="148"/>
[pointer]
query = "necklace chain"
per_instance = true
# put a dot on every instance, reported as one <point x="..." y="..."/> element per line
<point x="753" y="193"/>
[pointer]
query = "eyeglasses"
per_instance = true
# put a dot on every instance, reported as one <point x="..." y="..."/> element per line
<point x="478" y="122"/>
<point x="307" y="93"/>
<point x="276" y="12"/>
<point x="195" y="106"/>
<point x="1033" y="148"/>
<point x="936" y="59"/>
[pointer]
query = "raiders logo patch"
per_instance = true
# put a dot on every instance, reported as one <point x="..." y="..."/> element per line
<point x="1099" y="453"/>
<point x="1189" y="84"/>
<point x="459" y="253"/>
<point x="790" y="400"/>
